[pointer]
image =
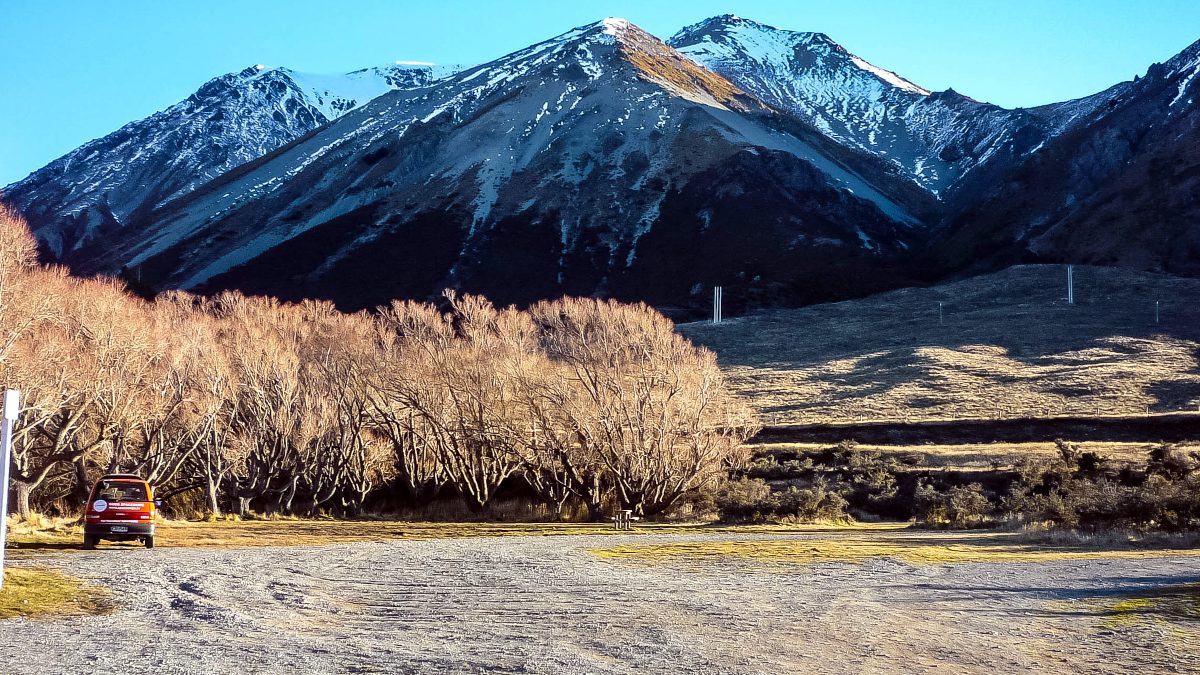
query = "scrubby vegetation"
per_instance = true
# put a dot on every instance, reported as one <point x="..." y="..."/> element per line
<point x="242" y="404"/>
<point x="1079" y="490"/>
<point x="563" y="411"/>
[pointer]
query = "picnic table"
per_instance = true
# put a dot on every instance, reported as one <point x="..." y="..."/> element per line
<point x="623" y="520"/>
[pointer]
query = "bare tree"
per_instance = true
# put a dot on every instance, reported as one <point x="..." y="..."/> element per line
<point x="300" y="408"/>
<point x="659" y="419"/>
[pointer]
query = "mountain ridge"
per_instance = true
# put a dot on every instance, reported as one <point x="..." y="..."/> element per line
<point x="537" y="141"/>
<point x="231" y="119"/>
<point x="605" y="161"/>
<point x="935" y="138"/>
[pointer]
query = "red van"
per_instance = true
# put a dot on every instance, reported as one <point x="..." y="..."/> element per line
<point x="121" y="508"/>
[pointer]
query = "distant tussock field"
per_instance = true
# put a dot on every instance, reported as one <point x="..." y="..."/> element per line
<point x="1007" y="345"/>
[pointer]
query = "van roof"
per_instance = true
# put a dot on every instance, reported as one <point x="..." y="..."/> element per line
<point x="131" y="476"/>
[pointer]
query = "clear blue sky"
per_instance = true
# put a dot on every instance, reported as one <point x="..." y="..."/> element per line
<point x="73" y="71"/>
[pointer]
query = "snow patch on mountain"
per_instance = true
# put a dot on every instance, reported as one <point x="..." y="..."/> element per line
<point x="335" y="95"/>
<point x="888" y="76"/>
<point x="1187" y="81"/>
<point x="934" y="139"/>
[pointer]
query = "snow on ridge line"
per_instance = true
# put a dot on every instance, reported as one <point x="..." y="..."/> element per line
<point x="1183" y="86"/>
<point x="768" y="44"/>
<point x="888" y="76"/>
<point x="335" y="95"/>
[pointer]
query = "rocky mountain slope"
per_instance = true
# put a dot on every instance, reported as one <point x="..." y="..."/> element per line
<point x="600" y="161"/>
<point x="1120" y="186"/>
<point x="605" y="161"/>
<point x="934" y="138"/>
<point x="99" y="187"/>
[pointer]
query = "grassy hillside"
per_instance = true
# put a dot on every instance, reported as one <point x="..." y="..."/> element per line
<point x="1008" y="346"/>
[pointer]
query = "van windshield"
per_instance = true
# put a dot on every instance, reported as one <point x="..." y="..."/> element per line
<point x="120" y="491"/>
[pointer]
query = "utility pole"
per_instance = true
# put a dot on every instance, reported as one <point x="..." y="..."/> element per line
<point x="1070" y="284"/>
<point x="939" y="313"/>
<point x="1156" y="303"/>
<point x="12" y="405"/>
<point x="718" y="296"/>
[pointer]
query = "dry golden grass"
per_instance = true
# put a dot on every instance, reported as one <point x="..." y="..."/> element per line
<point x="292" y="532"/>
<point x="1172" y="613"/>
<point x="1009" y="347"/>
<point x="1158" y="606"/>
<point x="659" y="63"/>
<point x="44" y="529"/>
<point x="310" y="532"/>
<point x="913" y="547"/>
<point x="306" y="532"/>
<point x="41" y="593"/>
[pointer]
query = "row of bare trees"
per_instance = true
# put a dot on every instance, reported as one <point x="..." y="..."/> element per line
<point x="299" y="408"/>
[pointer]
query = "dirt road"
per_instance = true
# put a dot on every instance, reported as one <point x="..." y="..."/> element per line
<point x="548" y="604"/>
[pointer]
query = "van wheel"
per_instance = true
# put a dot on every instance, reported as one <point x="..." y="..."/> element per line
<point x="89" y="542"/>
<point x="149" y="542"/>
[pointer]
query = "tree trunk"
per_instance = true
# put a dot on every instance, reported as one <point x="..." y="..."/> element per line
<point x="214" y="506"/>
<point x="290" y="497"/>
<point x="23" y="490"/>
<point x="595" y="511"/>
<point x="83" y="487"/>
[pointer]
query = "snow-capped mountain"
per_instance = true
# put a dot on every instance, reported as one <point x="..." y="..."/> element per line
<point x="600" y="161"/>
<point x="933" y="138"/>
<point x="230" y="120"/>
<point x="605" y="161"/>
<point x="1119" y="186"/>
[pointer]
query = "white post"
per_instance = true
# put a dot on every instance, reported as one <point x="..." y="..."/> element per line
<point x="12" y="405"/>
<point x="717" y="298"/>
<point x="1070" y="284"/>
<point x="1156" y="311"/>
<point x="939" y="313"/>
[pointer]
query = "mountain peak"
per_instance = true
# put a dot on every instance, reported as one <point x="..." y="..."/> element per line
<point x="614" y="25"/>
<point x="729" y="38"/>
<point x="611" y="47"/>
<point x="658" y="62"/>
<point x="725" y="21"/>
<point x="845" y="97"/>
<point x="93" y="190"/>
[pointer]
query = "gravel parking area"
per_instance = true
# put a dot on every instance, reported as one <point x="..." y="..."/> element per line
<point x="547" y="604"/>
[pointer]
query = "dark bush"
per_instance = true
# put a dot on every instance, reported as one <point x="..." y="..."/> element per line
<point x="958" y="506"/>
<point x="1074" y="489"/>
<point x="744" y="500"/>
<point x="751" y="500"/>
<point x="1168" y="460"/>
<point x="813" y="504"/>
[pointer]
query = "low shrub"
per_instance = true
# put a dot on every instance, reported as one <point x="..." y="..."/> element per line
<point x="809" y="505"/>
<point x="744" y="500"/>
<point x="752" y="500"/>
<point x="958" y="506"/>
<point x="1080" y="491"/>
<point x="1075" y="489"/>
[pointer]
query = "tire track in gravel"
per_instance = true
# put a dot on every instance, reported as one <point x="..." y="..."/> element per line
<point x="544" y="604"/>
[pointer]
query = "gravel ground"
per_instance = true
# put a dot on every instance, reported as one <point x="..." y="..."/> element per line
<point x="545" y="604"/>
